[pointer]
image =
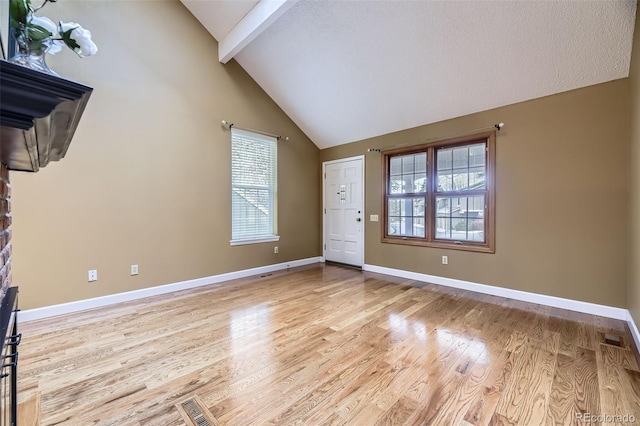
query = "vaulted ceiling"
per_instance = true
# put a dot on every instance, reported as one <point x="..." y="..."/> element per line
<point x="349" y="70"/>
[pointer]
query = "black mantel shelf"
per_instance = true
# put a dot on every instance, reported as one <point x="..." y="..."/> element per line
<point x="39" y="114"/>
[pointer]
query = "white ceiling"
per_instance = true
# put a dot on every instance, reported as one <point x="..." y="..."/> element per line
<point x="349" y="70"/>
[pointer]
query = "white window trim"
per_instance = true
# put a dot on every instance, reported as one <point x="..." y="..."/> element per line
<point x="255" y="240"/>
<point x="265" y="237"/>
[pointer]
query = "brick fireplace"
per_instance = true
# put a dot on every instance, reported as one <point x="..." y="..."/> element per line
<point x="5" y="231"/>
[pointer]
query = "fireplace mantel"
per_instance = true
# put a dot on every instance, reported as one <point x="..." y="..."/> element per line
<point x="39" y="114"/>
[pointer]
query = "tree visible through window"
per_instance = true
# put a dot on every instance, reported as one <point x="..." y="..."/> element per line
<point x="441" y="194"/>
<point x="253" y="187"/>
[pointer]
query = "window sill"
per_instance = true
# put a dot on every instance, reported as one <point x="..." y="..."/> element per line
<point x="255" y="241"/>
<point x="481" y="248"/>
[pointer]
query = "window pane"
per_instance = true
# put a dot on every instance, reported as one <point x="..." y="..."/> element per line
<point x="395" y="166"/>
<point x="406" y="216"/>
<point x="445" y="159"/>
<point x="461" y="168"/>
<point x="251" y="163"/>
<point x="460" y="218"/>
<point x="418" y="207"/>
<point x="395" y="185"/>
<point x="476" y="178"/>
<point x="443" y="206"/>
<point x="253" y="184"/>
<point x="477" y="155"/>
<point x="418" y="227"/>
<point x="394" y="226"/>
<point x="394" y="208"/>
<point x="461" y="157"/>
<point x="407" y="163"/>
<point x="407" y="185"/>
<point x="251" y="212"/>
<point x="421" y="162"/>
<point x="408" y="174"/>
<point x="445" y="181"/>
<point x="419" y="183"/>
<point x="476" y="229"/>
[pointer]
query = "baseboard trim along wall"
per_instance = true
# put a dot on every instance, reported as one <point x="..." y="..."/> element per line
<point x="634" y="330"/>
<point x="540" y="299"/>
<point x="97" y="302"/>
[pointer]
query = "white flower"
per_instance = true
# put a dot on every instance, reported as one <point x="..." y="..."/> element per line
<point x="39" y="33"/>
<point x="66" y="26"/>
<point x="78" y="39"/>
<point x="83" y="38"/>
<point x="44" y="28"/>
<point x="55" y="47"/>
<point x="46" y="23"/>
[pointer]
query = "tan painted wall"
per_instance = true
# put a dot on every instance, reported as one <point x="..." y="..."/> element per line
<point x="147" y="177"/>
<point x="634" y="252"/>
<point x="562" y="188"/>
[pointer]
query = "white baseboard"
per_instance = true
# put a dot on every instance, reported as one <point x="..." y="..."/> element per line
<point x="634" y="330"/>
<point x="97" y="302"/>
<point x="541" y="299"/>
<point x="558" y="302"/>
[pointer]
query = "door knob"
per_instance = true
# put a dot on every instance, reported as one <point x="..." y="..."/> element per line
<point x="358" y="220"/>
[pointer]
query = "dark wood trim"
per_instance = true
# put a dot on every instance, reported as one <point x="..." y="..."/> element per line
<point x="431" y="189"/>
<point x="385" y="189"/>
<point x="414" y="241"/>
<point x="461" y="140"/>
<point x="490" y="220"/>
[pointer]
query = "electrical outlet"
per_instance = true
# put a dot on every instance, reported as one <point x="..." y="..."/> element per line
<point x="134" y="269"/>
<point x="373" y="217"/>
<point x="275" y="249"/>
<point x="445" y="260"/>
<point x="93" y="275"/>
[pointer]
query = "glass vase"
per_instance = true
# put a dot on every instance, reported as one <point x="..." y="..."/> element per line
<point x="31" y="53"/>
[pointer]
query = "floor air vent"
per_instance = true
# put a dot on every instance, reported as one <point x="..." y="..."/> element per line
<point x="613" y="340"/>
<point x="195" y="413"/>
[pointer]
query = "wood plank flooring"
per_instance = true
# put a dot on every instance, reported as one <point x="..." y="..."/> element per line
<point x="29" y="411"/>
<point x="327" y="345"/>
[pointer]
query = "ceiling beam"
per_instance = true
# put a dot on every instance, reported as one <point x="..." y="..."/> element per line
<point x="255" y="22"/>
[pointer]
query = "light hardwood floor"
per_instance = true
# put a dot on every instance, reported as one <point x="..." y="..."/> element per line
<point x="327" y="345"/>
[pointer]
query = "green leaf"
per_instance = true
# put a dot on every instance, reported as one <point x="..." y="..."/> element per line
<point x="66" y="37"/>
<point x="19" y="10"/>
<point x="36" y="32"/>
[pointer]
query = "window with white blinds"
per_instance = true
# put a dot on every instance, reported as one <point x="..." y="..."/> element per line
<point x="253" y="187"/>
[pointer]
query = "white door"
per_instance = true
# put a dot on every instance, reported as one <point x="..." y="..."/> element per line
<point x="344" y="211"/>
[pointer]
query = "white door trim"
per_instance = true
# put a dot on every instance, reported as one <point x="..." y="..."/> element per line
<point x="324" y="205"/>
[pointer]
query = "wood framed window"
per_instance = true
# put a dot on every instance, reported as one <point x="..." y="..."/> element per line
<point x="441" y="194"/>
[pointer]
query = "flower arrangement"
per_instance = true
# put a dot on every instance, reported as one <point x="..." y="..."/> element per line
<point x="38" y="34"/>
